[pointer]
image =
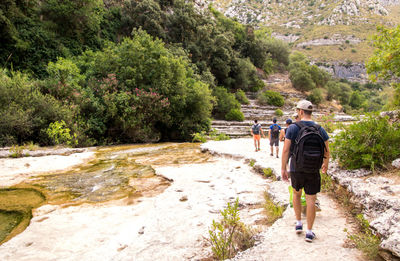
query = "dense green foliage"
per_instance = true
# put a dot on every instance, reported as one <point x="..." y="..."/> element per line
<point x="371" y="143"/>
<point x="226" y="102"/>
<point x="241" y="97"/>
<point x="137" y="71"/>
<point x="271" y="98"/>
<point x="305" y="77"/>
<point x="385" y="63"/>
<point x="315" y="96"/>
<point x="25" y="111"/>
<point x="134" y="91"/>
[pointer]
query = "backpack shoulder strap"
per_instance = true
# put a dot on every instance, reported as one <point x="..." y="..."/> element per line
<point x="299" y="124"/>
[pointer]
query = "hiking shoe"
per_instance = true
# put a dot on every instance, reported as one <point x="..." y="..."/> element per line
<point x="310" y="237"/>
<point x="317" y="206"/>
<point x="299" y="229"/>
<point x="271" y="154"/>
<point x="277" y="156"/>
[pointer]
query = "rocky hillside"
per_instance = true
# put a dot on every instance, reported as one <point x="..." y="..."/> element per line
<point x="325" y="30"/>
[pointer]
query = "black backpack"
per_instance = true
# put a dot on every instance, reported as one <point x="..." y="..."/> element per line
<point x="308" y="149"/>
<point x="256" y="128"/>
<point x="275" y="131"/>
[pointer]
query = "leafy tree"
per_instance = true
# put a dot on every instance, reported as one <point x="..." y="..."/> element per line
<point x="356" y="100"/>
<point x="333" y="90"/>
<point x="271" y="98"/>
<point x="74" y="18"/>
<point x="316" y="96"/>
<point x="225" y="102"/>
<point x="146" y="14"/>
<point x="26" y="112"/>
<point x="319" y="76"/>
<point x="385" y="63"/>
<point x="143" y="64"/>
<point x="301" y="80"/>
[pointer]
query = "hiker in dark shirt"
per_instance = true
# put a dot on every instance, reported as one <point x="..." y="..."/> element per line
<point x="274" y="131"/>
<point x="283" y="132"/>
<point x="310" y="182"/>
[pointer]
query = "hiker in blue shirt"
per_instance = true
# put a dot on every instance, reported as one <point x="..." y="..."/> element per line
<point x="307" y="178"/>
<point x="274" y="131"/>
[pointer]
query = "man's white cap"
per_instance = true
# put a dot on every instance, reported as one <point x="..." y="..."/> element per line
<point x="305" y="105"/>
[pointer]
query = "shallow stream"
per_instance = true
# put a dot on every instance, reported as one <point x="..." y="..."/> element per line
<point x="116" y="172"/>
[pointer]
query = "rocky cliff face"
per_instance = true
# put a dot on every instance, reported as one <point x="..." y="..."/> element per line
<point x="316" y="27"/>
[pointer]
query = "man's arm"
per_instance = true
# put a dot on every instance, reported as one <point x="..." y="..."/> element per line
<point x="262" y="132"/>
<point x="285" y="158"/>
<point x="269" y="133"/>
<point x="282" y="135"/>
<point x="326" y="158"/>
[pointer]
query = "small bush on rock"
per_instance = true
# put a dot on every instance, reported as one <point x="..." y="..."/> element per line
<point x="234" y="115"/>
<point x="279" y="112"/>
<point x="230" y="235"/>
<point x="371" y="143"/>
<point x="365" y="240"/>
<point x="271" y="98"/>
<point x="241" y="97"/>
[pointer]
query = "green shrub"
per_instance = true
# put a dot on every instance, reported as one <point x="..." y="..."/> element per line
<point x="279" y="112"/>
<point x="301" y="79"/>
<point x="241" y="97"/>
<point x="225" y="102"/>
<point x="268" y="173"/>
<point x="215" y="135"/>
<point x="234" y="115"/>
<point x="315" y="96"/>
<point x="16" y="151"/>
<point x="230" y="235"/>
<point x="59" y="133"/>
<point x="199" y="137"/>
<point x="25" y="111"/>
<point x="271" y="98"/>
<point x="371" y="143"/>
<point x="272" y="210"/>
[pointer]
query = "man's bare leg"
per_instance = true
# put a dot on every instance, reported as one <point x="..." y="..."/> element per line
<point x="277" y="151"/>
<point x="272" y="150"/>
<point x="297" y="203"/>
<point x="258" y="142"/>
<point x="255" y="144"/>
<point x="310" y="200"/>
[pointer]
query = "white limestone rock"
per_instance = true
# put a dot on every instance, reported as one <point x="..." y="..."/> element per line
<point x="396" y="163"/>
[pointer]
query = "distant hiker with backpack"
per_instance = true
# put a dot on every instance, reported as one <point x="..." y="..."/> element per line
<point x="307" y="145"/>
<point x="256" y="131"/>
<point x="274" y="131"/>
<point x="283" y="132"/>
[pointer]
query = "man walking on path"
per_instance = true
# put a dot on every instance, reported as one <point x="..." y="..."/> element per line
<point x="274" y="131"/>
<point x="256" y="130"/>
<point x="304" y="168"/>
<point x="283" y="132"/>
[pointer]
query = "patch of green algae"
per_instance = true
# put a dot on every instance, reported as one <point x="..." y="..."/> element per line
<point x="16" y="206"/>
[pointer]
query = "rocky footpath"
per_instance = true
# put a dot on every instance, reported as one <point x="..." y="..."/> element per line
<point x="280" y="242"/>
<point x="376" y="196"/>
